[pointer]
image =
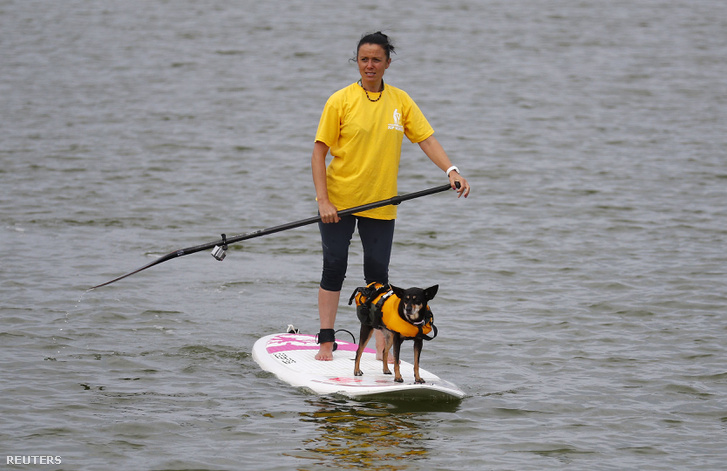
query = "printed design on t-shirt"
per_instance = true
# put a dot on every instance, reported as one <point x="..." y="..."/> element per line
<point x="396" y="125"/>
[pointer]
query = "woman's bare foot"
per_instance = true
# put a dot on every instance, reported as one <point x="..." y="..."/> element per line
<point x="380" y="356"/>
<point x="325" y="352"/>
<point x="380" y="346"/>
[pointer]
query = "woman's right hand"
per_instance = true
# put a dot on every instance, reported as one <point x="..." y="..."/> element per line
<point x="328" y="212"/>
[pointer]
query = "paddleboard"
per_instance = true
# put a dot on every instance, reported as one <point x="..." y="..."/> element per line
<point x="291" y="357"/>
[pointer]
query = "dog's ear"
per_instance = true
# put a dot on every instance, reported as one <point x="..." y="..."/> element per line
<point x="399" y="292"/>
<point x="430" y="292"/>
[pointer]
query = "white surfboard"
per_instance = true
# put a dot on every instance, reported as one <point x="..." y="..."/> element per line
<point x="291" y="357"/>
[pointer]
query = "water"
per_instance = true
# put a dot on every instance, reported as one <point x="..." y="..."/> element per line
<point x="583" y="289"/>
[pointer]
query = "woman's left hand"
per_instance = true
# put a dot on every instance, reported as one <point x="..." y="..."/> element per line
<point x="436" y="154"/>
<point x="464" y="187"/>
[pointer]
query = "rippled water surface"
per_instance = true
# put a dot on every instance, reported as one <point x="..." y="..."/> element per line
<point x="583" y="289"/>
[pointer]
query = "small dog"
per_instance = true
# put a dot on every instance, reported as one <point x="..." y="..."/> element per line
<point x="402" y="314"/>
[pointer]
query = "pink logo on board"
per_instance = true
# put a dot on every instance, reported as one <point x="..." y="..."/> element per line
<point x="288" y="342"/>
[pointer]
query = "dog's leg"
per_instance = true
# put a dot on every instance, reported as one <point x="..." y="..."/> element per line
<point x="389" y="337"/>
<point x="397" y="354"/>
<point x="364" y="336"/>
<point x="417" y="353"/>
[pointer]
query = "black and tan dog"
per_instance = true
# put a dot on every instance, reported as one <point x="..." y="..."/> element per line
<point x="402" y="314"/>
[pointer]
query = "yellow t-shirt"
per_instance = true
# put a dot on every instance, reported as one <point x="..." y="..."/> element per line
<point x="365" y="139"/>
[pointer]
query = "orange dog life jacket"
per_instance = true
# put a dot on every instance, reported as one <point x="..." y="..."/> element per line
<point x="377" y="305"/>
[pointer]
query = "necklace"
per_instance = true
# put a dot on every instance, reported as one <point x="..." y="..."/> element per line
<point x="381" y="93"/>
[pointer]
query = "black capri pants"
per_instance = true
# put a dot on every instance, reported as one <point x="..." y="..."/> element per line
<point x="377" y="236"/>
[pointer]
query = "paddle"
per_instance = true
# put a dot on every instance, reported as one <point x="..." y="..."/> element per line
<point x="220" y="246"/>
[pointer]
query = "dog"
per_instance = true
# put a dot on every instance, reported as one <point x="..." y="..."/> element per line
<point x="401" y="314"/>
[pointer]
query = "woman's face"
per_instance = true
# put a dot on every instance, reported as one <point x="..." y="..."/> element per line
<point x="372" y="63"/>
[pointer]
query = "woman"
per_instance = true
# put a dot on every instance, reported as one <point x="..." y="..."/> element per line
<point x="363" y="126"/>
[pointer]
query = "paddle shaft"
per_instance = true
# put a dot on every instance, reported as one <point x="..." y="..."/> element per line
<point x="283" y="227"/>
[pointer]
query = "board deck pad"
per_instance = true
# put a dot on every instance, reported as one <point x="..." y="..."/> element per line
<point x="291" y="357"/>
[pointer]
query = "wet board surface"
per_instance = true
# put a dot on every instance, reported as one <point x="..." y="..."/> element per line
<point x="291" y="358"/>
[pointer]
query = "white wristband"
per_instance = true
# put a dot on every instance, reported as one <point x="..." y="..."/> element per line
<point x="449" y="170"/>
